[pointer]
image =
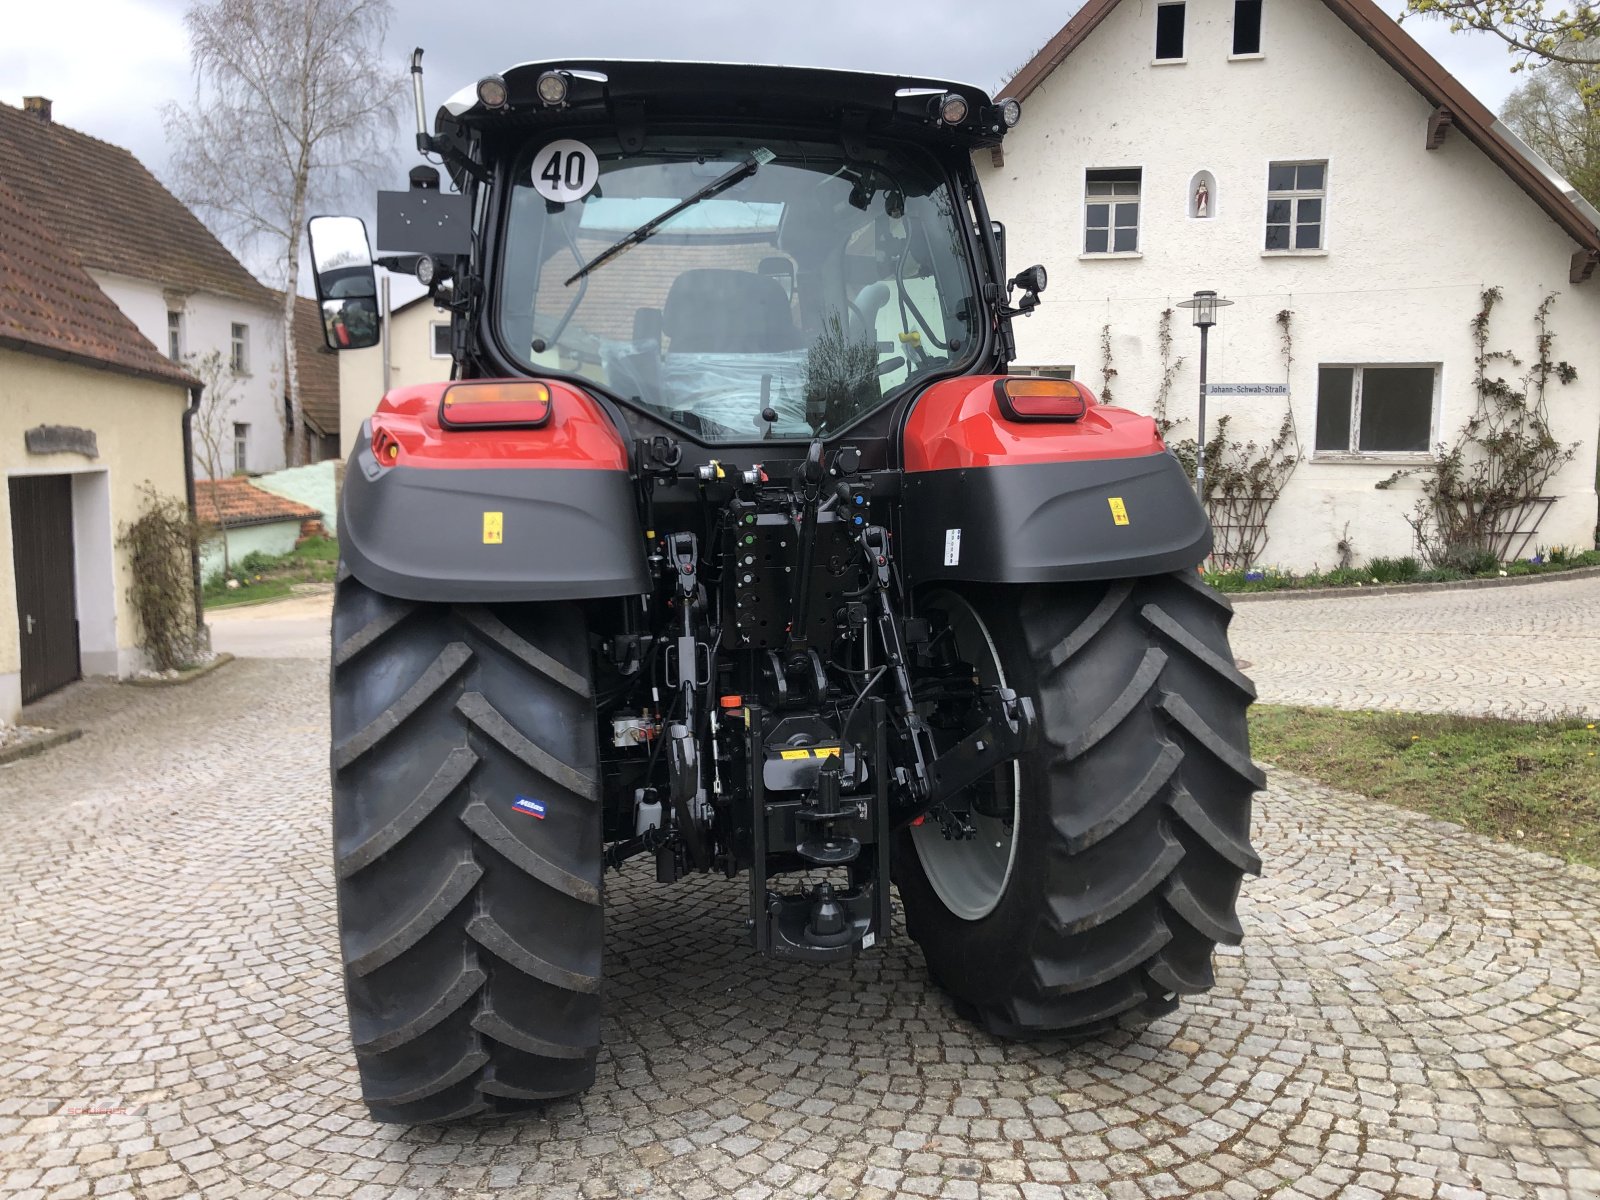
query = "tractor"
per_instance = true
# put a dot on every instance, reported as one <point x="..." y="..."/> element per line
<point x="732" y="544"/>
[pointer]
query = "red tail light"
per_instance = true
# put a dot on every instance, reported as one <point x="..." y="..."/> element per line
<point x="384" y="448"/>
<point x="1028" y="398"/>
<point x="524" y="403"/>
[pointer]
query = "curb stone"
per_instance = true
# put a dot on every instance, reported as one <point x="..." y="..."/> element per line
<point x="221" y="660"/>
<point x="1389" y="589"/>
<point x="38" y="745"/>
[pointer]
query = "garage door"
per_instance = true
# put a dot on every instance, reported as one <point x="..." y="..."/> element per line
<point x="41" y="547"/>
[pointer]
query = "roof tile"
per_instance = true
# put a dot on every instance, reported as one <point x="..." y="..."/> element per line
<point x="103" y="203"/>
<point x="49" y="303"/>
<point x="319" y="369"/>
<point x="237" y="501"/>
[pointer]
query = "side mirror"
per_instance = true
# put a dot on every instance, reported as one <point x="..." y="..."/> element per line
<point x="999" y="230"/>
<point x="347" y="290"/>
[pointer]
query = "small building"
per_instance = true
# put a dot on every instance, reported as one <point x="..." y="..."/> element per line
<point x="255" y="521"/>
<point x="1308" y="160"/>
<point x="91" y="415"/>
<point x="165" y="270"/>
<point x="418" y="349"/>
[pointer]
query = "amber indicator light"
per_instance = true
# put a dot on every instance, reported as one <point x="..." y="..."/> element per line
<point x="523" y="404"/>
<point x="1026" y="398"/>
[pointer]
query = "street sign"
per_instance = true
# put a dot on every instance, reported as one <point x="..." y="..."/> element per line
<point x="1247" y="389"/>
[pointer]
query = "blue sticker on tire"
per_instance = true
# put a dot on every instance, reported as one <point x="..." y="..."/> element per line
<point x="526" y="804"/>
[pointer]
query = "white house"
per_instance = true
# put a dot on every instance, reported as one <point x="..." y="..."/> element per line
<point x="166" y="271"/>
<point x="1300" y="157"/>
<point x="416" y="349"/>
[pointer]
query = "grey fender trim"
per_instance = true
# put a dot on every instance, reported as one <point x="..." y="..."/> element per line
<point x="418" y="532"/>
<point x="1045" y="522"/>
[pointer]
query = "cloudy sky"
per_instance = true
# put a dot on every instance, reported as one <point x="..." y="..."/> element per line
<point x="110" y="65"/>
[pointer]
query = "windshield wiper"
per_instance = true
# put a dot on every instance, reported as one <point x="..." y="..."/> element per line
<point x="722" y="183"/>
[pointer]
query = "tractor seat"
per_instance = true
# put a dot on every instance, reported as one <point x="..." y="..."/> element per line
<point x="712" y="311"/>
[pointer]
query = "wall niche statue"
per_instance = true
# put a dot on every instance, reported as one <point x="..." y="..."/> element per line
<point x="1203" y="195"/>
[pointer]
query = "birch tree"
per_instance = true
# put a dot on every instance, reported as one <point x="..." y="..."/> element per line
<point x="292" y="104"/>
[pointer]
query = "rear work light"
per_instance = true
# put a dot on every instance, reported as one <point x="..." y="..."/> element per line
<point x="1027" y="398"/>
<point x="478" y="405"/>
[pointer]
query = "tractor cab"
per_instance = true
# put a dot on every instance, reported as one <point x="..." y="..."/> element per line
<point x="732" y="254"/>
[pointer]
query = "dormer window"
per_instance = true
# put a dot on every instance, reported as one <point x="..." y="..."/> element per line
<point x="1169" y="32"/>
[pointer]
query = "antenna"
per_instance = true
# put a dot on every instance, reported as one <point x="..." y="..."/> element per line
<point x="424" y="142"/>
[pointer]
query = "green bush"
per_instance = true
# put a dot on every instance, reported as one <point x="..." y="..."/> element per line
<point x="1394" y="570"/>
<point x="1399" y="570"/>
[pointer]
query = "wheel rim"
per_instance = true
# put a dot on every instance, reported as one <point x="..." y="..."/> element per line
<point x="971" y="875"/>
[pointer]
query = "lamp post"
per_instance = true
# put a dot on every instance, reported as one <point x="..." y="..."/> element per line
<point x="1204" y="306"/>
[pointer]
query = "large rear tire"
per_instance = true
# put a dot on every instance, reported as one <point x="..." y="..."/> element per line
<point x="467" y="849"/>
<point x="1104" y="895"/>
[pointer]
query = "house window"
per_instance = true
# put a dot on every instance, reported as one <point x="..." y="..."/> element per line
<point x="241" y="447"/>
<point x="1045" y="370"/>
<point x="1247" y="26"/>
<point x="1111" y="212"/>
<point x="1169" y="31"/>
<point x="1295" y="196"/>
<point x="174" y="335"/>
<point x="1376" y="409"/>
<point x="239" y="357"/>
<point x="441" y="339"/>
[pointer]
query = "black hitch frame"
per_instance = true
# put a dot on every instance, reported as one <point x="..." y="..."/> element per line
<point x="858" y="917"/>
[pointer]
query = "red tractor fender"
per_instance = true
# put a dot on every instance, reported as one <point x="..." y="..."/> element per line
<point x="993" y="499"/>
<point x="489" y="513"/>
<point x="407" y="431"/>
<point x="958" y="423"/>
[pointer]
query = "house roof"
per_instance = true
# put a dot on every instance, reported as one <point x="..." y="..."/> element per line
<point x="50" y="305"/>
<point x="236" y="501"/>
<point x="105" y="205"/>
<point x="1455" y="107"/>
<point x="319" y="369"/>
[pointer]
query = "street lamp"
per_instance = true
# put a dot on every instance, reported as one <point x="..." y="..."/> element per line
<point x="1204" y="306"/>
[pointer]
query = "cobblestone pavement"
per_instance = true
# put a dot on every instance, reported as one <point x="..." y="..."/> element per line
<point x="1415" y="1012"/>
<point x="1530" y="650"/>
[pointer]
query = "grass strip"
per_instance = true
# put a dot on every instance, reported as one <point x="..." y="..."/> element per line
<point x="1534" y="784"/>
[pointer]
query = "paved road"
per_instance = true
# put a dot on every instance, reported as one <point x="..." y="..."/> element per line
<point x="1529" y="650"/>
<point x="294" y="628"/>
<point x="1415" y="1012"/>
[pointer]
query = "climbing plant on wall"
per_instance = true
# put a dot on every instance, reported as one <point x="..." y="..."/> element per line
<point x="1484" y="493"/>
<point x="1244" y="479"/>
<point x="1107" y="371"/>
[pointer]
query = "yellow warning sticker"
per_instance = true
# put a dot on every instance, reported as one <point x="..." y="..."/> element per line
<point x="1119" y="510"/>
<point x="494" y="526"/>
<point x="794" y="754"/>
<point x="827" y="751"/>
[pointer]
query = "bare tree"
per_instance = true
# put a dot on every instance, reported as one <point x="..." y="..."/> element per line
<point x="212" y="426"/>
<point x="1557" y="112"/>
<point x="292" y="103"/>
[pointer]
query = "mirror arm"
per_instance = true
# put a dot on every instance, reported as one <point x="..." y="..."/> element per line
<point x="424" y="140"/>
